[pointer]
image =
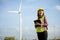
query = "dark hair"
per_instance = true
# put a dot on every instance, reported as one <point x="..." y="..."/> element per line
<point x="39" y="15"/>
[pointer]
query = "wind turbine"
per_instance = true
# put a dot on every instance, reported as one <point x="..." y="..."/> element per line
<point x="20" y="22"/>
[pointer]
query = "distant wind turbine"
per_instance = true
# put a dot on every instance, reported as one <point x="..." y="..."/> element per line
<point x="19" y="12"/>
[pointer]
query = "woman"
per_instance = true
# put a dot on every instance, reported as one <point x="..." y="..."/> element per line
<point x="41" y="25"/>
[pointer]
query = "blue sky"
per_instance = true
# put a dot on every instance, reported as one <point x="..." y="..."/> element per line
<point x="9" y="22"/>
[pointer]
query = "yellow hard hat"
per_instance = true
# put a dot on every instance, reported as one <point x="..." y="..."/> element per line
<point x="40" y="9"/>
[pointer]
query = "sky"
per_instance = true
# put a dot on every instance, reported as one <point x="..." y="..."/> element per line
<point x="9" y="22"/>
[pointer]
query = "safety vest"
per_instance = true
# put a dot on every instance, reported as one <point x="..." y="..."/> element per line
<point x="40" y="29"/>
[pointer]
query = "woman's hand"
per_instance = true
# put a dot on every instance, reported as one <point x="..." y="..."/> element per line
<point x="37" y="23"/>
<point x="41" y="24"/>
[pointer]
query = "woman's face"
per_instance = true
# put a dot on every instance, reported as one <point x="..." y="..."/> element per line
<point x="41" y="13"/>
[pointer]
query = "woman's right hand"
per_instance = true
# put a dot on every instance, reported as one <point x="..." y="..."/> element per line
<point x="41" y="24"/>
<point x="37" y="23"/>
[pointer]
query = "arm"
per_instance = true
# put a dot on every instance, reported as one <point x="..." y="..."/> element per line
<point x="45" y="22"/>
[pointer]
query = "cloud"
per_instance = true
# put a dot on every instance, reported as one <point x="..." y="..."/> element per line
<point x="58" y="7"/>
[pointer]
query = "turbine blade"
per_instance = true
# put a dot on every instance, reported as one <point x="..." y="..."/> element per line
<point x="13" y="11"/>
<point x="20" y="6"/>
